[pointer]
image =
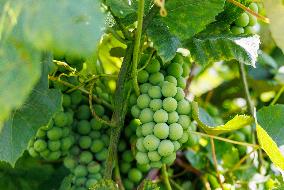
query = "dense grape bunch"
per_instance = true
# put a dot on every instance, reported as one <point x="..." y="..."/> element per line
<point x="131" y="172"/>
<point x="245" y="24"/>
<point x="87" y="156"/>
<point x="163" y="111"/>
<point x="54" y="140"/>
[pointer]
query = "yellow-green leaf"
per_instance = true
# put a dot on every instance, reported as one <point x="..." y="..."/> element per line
<point x="206" y="123"/>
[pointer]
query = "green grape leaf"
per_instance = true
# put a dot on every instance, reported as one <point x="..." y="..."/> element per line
<point x="66" y="183"/>
<point x="24" y="122"/>
<point x="189" y="17"/>
<point x="275" y="11"/>
<point x="163" y="41"/>
<point x="20" y="70"/>
<point x="216" y="48"/>
<point x="270" y="131"/>
<point x="205" y="121"/>
<point x="197" y="160"/>
<point x="64" y="26"/>
<point x="120" y="8"/>
<point x="105" y="184"/>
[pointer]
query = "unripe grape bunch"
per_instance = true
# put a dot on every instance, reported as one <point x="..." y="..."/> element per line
<point x="245" y="24"/>
<point x="163" y="111"/>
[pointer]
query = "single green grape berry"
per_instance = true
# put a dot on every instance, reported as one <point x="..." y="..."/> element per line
<point x="171" y="79"/>
<point x="48" y="126"/>
<point x="85" y="157"/>
<point x="243" y="20"/>
<point x="177" y="145"/>
<point x="156" y="164"/>
<point x="97" y="145"/>
<point x="155" y="92"/>
<point x="144" y="88"/>
<point x="90" y="183"/>
<point x="83" y="127"/>
<point x="95" y="124"/>
<point x="176" y="131"/>
<point x="76" y="97"/>
<point x="69" y="162"/>
<point x="186" y="70"/>
<point x="133" y="99"/>
<point x="102" y="155"/>
<point x="139" y="145"/>
<point x="156" y="104"/>
<point x="65" y="131"/>
<point x="143" y="76"/>
<point x="151" y="142"/>
<point x="237" y="30"/>
<point x="169" y="104"/>
<point x="54" y="145"/>
<point x="139" y="132"/>
<point x="142" y="158"/>
<point x="60" y="119"/>
<point x="160" y="116"/>
<point x="250" y="30"/>
<point x="169" y="89"/>
<point x="127" y="156"/>
<point x="99" y="109"/>
<point x="146" y="115"/>
<point x="143" y="101"/>
<point x="83" y="112"/>
<point x="75" y="150"/>
<point x="143" y="167"/>
<point x="166" y="148"/>
<point x="69" y="116"/>
<point x="32" y="152"/>
<point x="54" y="155"/>
<point x="183" y="107"/>
<point x="55" y="133"/>
<point x="154" y="66"/>
<point x="184" y="138"/>
<point x="147" y="128"/>
<point x="156" y="78"/>
<point x="181" y="82"/>
<point x="105" y="139"/>
<point x="161" y="130"/>
<point x="173" y="117"/>
<point x="154" y="156"/>
<point x="175" y="69"/>
<point x="45" y="154"/>
<point x="85" y="142"/>
<point x="125" y="167"/>
<point x="169" y="159"/>
<point x="128" y="184"/>
<point x="180" y="94"/>
<point x="40" y="145"/>
<point x="254" y="7"/>
<point x="67" y="142"/>
<point x="80" y="181"/>
<point x="135" y="111"/>
<point x="252" y="20"/>
<point x="184" y="121"/>
<point x="66" y="102"/>
<point x="40" y="133"/>
<point x="95" y="134"/>
<point x="135" y="175"/>
<point x="80" y="171"/>
<point x="122" y="145"/>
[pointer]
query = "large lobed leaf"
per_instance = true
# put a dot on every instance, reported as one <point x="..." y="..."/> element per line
<point x="121" y="8"/>
<point x="217" y="48"/>
<point x="24" y="122"/>
<point x="270" y="131"/>
<point x="207" y="124"/>
<point x="189" y="17"/>
<point x="163" y="41"/>
<point x="64" y="25"/>
<point x="275" y="12"/>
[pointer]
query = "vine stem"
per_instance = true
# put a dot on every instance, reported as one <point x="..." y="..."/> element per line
<point x="166" y="177"/>
<point x="277" y="96"/>
<point x="215" y="162"/>
<point x="260" y="17"/>
<point x="226" y="140"/>
<point x="96" y="99"/>
<point x="137" y="46"/>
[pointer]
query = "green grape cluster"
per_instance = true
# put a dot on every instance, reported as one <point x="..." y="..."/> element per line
<point x="131" y="173"/>
<point x="87" y="156"/>
<point x="54" y="140"/>
<point x="163" y="111"/>
<point x="245" y="24"/>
